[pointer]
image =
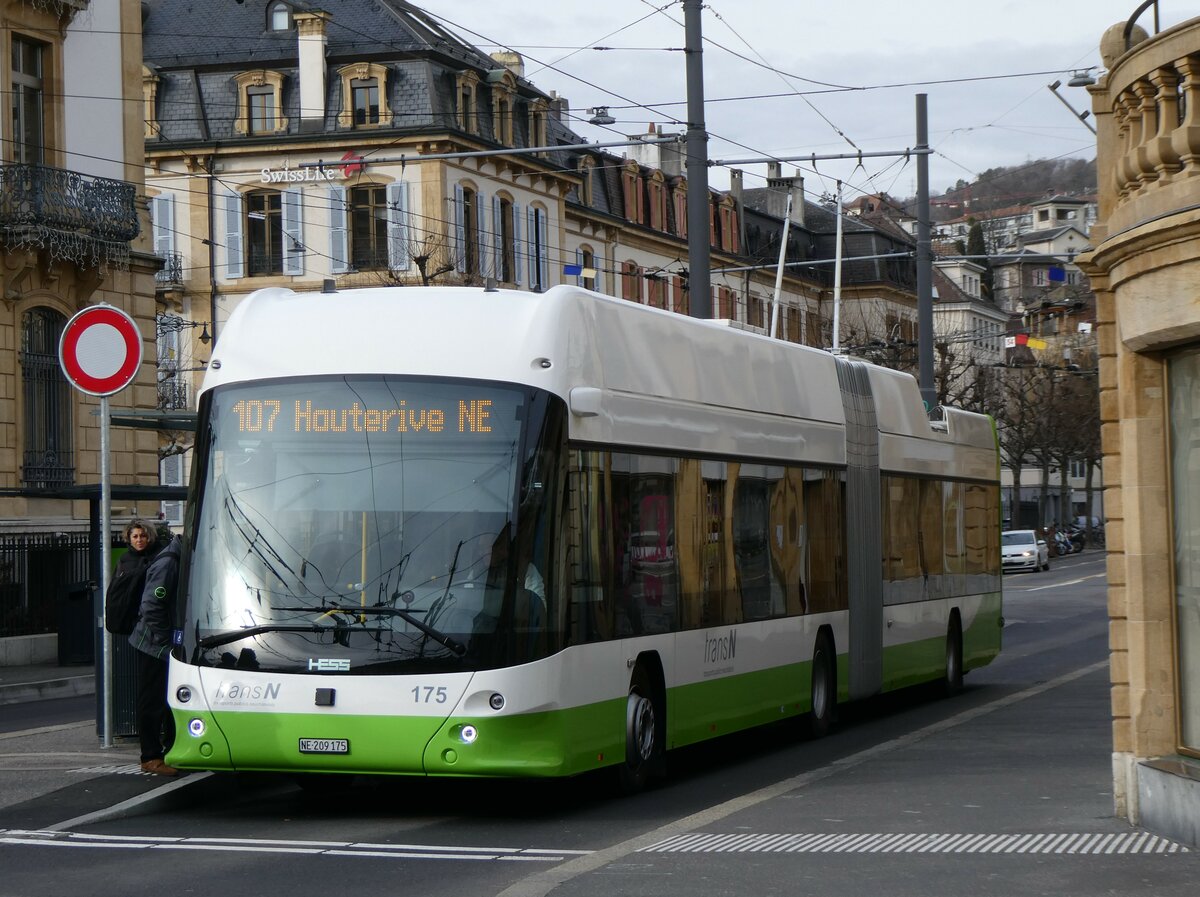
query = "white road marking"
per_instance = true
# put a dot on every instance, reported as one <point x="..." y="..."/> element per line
<point x="58" y="838"/>
<point x="1069" y="582"/>
<point x="1089" y="843"/>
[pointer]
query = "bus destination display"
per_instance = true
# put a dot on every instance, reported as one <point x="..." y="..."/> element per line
<point x="469" y="416"/>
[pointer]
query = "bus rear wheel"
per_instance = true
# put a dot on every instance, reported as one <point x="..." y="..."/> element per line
<point x="643" y="746"/>
<point x="824" y="688"/>
<point x="952" y="683"/>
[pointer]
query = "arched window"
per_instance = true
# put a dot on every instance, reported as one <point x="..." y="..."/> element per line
<point x="49" y="459"/>
<point x="279" y="17"/>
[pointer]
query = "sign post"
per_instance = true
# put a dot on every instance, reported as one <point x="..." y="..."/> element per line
<point x="100" y="352"/>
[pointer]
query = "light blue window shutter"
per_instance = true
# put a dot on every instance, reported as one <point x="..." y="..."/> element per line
<point x="483" y="235"/>
<point x="162" y="215"/>
<point x="339" y="254"/>
<point x="293" y="232"/>
<point x="397" y="200"/>
<point x="234" y="265"/>
<point x="170" y="473"/>
<point x="518" y="254"/>
<point x="543" y="247"/>
<point x="497" y="240"/>
<point x="460" y="228"/>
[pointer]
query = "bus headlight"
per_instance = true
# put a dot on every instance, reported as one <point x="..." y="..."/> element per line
<point x="496" y="701"/>
<point x="183" y="694"/>
<point x="468" y="734"/>
<point x="196" y="727"/>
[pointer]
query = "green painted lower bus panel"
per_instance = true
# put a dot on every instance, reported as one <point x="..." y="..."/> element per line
<point x="722" y="706"/>
<point x="559" y="743"/>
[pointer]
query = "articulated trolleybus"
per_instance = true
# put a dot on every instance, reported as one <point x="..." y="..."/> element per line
<point x="468" y="532"/>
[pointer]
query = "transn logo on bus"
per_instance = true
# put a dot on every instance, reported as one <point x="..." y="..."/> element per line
<point x="720" y="647"/>
<point x="328" y="665"/>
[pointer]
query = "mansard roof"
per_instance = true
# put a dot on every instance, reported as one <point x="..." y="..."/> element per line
<point x="188" y="34"/>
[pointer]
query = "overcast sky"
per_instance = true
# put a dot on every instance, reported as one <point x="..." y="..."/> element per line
<point x="1006" y="116"/>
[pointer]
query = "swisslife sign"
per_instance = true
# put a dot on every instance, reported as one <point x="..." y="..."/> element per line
<point x="349" y="165"/>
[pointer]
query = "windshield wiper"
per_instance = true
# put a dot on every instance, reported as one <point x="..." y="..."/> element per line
<point x="350" y="610"/>
<point x="234" y="635"/>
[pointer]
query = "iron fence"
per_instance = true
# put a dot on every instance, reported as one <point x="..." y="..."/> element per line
<point x="37" y="570"/>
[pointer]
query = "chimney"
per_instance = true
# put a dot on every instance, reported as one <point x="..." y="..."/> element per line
<point x="778" y="188"/>
<point x="560" y="108"/>
<point x="735" y="185"/>
<point x="798" y="199"/>
<point x="666" y="157"/>
<point x="310" y="28"/>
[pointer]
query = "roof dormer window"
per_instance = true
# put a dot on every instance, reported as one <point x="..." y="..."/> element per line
<point x="279" y="17"/>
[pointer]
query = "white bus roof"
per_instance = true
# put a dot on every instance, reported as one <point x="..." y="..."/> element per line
<point x="631" y="374"/>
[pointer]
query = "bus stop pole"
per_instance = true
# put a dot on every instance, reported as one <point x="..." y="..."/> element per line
<point x="106" y="645"/>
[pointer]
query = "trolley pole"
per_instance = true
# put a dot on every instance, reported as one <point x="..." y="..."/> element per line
<point x="924" y="261"/>
<point x="699" y="239"/>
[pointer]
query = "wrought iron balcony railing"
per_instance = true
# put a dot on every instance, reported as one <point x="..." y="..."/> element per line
<point x="172" y="269"/>
<point x="172" y="395"/>
<point x="84" y="219"/>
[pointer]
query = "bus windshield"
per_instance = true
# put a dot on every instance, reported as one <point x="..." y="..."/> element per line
<point x="371" y="525"/>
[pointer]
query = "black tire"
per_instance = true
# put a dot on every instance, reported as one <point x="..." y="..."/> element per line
<point x="824" y="688"/>
<point x="952" y="681"/>
<point x="643" y="733"/>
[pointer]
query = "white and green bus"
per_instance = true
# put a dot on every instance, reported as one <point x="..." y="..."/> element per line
<point x="469" y="532"/>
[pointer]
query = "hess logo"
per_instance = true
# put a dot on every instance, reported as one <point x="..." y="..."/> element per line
<point x="328" y="665"/>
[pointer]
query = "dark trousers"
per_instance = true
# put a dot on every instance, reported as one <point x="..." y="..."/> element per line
<point x="156" y="726"/>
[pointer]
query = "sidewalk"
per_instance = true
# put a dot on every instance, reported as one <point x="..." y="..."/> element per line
<point x="43" y="682"/>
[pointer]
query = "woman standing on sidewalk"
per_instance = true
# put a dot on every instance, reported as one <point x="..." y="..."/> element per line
<point x="124" y="595"/>
<point x="152" y="636"/>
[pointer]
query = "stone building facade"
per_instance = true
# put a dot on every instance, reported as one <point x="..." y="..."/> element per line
<point x="1145" y="269"/>
<point x="72" y="233"/>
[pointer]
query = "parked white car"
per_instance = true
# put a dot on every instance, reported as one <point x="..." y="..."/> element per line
<point x="1021" y="549"/>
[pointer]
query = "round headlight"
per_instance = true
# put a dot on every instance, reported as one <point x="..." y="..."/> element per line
<point x="468" y="734"/>
<point x="183" y="694"/>
<point x="196" y="727"/>
<point x="496" y="701"/>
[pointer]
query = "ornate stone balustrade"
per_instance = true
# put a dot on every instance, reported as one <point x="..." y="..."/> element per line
<point x="1147" y="112"/>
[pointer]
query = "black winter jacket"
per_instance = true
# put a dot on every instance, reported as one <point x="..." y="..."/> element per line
<point x="125" y="588"/>
<point x="154" y="629"/>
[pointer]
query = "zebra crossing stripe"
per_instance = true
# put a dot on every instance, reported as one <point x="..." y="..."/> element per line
<point x="1074" y="843"/>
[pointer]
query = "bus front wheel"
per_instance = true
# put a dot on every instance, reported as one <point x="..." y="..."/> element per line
<point x="642" y="743"/>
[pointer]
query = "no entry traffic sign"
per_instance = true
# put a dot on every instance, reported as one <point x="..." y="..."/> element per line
<point x="100" y="350"/>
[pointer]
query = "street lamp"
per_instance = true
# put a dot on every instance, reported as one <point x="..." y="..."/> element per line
<point x="599" y="116"/>
<point x="176" y="324"/>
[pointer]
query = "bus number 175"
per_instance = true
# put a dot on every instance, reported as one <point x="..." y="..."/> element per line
<point x="428" y="694"/>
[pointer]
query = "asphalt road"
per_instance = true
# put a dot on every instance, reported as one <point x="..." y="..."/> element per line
<point x="1003" y="789"/>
